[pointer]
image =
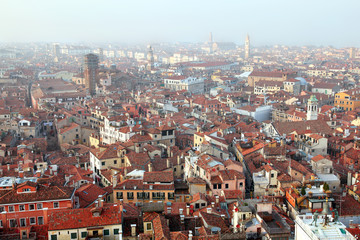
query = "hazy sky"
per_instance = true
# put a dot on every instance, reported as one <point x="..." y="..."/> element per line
<point x="289" y="22"/>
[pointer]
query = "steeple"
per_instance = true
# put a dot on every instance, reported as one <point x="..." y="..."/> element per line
<point x="247" y="47"/>
<point x="150" y="58"/>
<point x="312" y="108"/>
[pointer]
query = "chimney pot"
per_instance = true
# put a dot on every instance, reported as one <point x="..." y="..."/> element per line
<point x="133" y="230"/>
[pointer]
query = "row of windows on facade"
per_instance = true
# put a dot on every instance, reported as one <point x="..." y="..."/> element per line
<point x="73" y="235"/>
<point x="346" y="97"/>
<point x="145" y="195"/>
<point x="22" y="222"/>
<point x="219" y="186"/>
<point x="342" y="102"/>
<point x="115" y="162"/>
<point x="31" y="207"/>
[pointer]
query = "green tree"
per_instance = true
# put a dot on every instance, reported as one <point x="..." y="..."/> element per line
<point x="303" y="191"/>
<point x="326" y="187"/>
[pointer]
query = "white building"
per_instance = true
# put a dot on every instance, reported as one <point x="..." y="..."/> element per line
<point x="312" y="108"/>
<point x="304" y="230"/>
<point x="116" y="131"/>
<point x="190" y="84"/>
<point x="260" y="113"/>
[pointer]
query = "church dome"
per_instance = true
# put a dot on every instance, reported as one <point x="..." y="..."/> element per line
<point x="302" y="80"/>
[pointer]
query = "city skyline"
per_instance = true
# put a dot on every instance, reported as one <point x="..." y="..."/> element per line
<point x="276" y="22"/>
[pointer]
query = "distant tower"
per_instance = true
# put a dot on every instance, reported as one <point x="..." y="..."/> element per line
<point x="352" y="53"/>
<point x="150" y="58"/>
<point x="210" y="38"/>
<point x="91" y="72"/>
<point x="56" y="49"/>
<point x="312" y="108"/>
<point x="101" y="54"/>
<point x="247" y="47"/>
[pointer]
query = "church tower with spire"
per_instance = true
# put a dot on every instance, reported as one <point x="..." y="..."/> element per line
<point x="247" y="47"/>
<point x="150" y="59"/>
<point x="312" y="108"/>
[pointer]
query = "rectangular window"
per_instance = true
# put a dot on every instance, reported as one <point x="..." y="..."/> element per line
<point x="116" y="231"/>
<point x="32" y="221"/>
<point x="130" y="195"/>
<point x="53" y="237"/>
<point x="197" y="205"/>
<point x="21" y="207"/>
<point x="2" y="209"/>
<point x="73" y="235"/>
<point x="56" y="204"/>
<point x="22" y="222"/>
<point x="40" y="220"/>
<point x="1" y="224"/>
<point x="106" y="232"/>
<point x="226" y="185"/>
<point x="83" y="234"/>
<point x="119" y="195"/>
<point x="170" y="195"/>
<point x="39" y="206"/>
<point x="103" y="163"/>
<point x="11" y="208"/>
<point x="31" y="207"/>
<point x="148" y="226"/>
<point x="12" y="223"/>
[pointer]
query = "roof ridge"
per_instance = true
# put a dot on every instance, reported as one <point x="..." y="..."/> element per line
<point x="61" y="190"/>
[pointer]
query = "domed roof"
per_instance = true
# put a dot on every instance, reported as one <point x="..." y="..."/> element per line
<point x="302" y="80"/>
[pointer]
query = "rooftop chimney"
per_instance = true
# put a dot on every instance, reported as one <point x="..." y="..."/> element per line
<point x="208" y="210"/>
<point x="114" y="180"/>
<point x="100" y="201"/>
<point x="190" y="235"/>
<point x="8" y="167"/>
<point x="217" y="199"/>
<point x="188" y="210"/>
<point x="167" y="163"/>
<point x="150" y="167"/>
<point x="133" y="230"/>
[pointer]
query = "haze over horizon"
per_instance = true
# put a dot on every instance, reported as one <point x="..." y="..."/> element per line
<point x="267" y="22"/>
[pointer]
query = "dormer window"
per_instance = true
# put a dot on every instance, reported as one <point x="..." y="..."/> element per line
<point x="26" y="190"/>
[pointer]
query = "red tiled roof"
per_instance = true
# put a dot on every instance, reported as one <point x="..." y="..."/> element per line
<point x="66" y="129"/>
<point x="88" y="194"/>
<point x="152" y="177"/>
<point x="42" y="193"/>
<point x="84" y="218"/>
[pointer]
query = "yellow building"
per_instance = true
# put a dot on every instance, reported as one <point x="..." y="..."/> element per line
<point x="199" y="138"/>
<point x="348" y="100"/>
<point x="154" y="187"/>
